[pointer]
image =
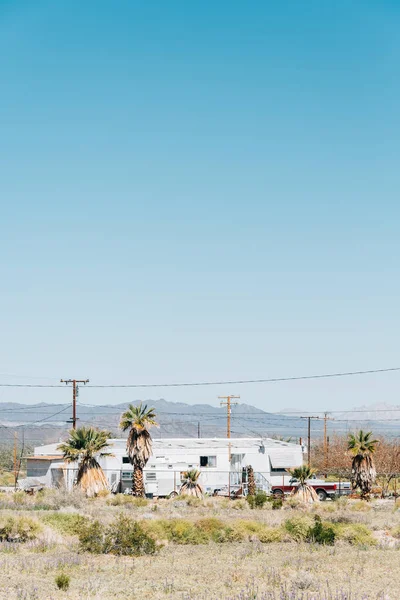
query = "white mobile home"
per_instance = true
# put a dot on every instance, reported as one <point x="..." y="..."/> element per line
<point x="221" y="461"/>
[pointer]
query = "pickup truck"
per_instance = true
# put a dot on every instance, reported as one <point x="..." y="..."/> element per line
<point x="324" y="489"/>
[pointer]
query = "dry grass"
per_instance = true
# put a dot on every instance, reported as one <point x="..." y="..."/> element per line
<point x="247" y="570"/>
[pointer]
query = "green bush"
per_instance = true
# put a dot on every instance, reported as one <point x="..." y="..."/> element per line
<point x="62" y="581"/>
<point x="228" y="534"/>
<point x="356" y="534"/>
<point x="322" y="532"/>
<point x="277" y="503"/>
<point x="18" y="529"/>
<point x="68" y="523"/>
<point x="298" y="527"/>
<point x="193" y="501"/>
<point x="269" y="535"/>
<point x="258" y="500"/>
<point x="127" y="500"/>
<point x="123" y="537"/>
<point x="210" y="525"/>
<point x="126" y="537"/>
<point x="185" y="532"/>
<point x="91" y="537"/>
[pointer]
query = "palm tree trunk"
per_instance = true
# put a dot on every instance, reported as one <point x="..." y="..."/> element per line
<point x="138" y="488"/>
<point x="251" y="483"/>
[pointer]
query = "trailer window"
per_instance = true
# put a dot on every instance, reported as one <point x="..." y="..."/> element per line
<point x="208" y="461"/>
<point x="126" y="474"/>
<point x="151" y="476"/>
<point x="125" y="460"/>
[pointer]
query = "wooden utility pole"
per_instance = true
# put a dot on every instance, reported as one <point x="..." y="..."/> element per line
<point x="326" y="442"/>
<point x="15" y="460"/>
<point x="228" y="405"/>
<point x="309" y="439"/>
<point x="75" y="392"/>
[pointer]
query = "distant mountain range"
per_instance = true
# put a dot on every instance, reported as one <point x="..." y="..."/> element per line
<point x="44" y="423"/>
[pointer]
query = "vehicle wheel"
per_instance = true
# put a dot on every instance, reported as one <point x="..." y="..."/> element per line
<point x="173" y="495"/>
<point x="322" y="495"/>
<point x="278" y="494"/>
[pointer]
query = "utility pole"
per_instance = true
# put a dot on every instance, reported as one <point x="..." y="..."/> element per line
<point x="228" y="405"/>
<point x="309" y="439"/>
<point x="75" y="393"/>
<point x="198" y="429"/>
<point x="15" y="460"/>
<point x="326" y="442"/>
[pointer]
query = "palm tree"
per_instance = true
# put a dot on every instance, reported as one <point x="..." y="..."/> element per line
<point x="251" y="482"/>
<point x="83" y="445"/>
<point x="303" y="491"/>
<point x="363" y="472"/>
<point x="138" y="419"/>
<point x="190" y="484"/>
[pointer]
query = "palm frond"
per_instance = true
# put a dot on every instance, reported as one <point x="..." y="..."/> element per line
<point x="302" y="473"/>
<point x="139" y="417"/>
<point x="85" y="442"/>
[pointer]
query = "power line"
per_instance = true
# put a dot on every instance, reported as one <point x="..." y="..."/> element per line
<point x="209" y="383"/>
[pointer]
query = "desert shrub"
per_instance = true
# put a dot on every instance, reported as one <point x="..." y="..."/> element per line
<point x="239" y="504"/>
<point x="18" y="529"/>
<point x="269" y="535"/>
<point x="210" y="525"/>
<point x="360" y="506"/>
<point x="251" y="501"/>
<point x="69" y="523"/>
<point x="125" y="537"/>
<point x="322" y="532"/>
<point x="127" y="500"/>
<point x="20" y="498"/>
<point x="62" y="581"/>
<point x="91" y="537"/>
<point x="298" y="527"/>
<point x="305" y="529"/>
<point x="258" y="499"/>
<point x="237" y="531"/>
<point x="185" y="532"/>
<point x="356" y="534"/>
<point x="291" y="501"/>
<point x="341" y="501"/>
<point x="229" y="534"/>
<point x="396" y="532"/>
<point x="193" y="501"/>
<point x="57" y="498"/>
<point x="277" y="503"/>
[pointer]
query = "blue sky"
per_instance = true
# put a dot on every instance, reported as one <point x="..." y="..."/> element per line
<point x="200" y="191"/>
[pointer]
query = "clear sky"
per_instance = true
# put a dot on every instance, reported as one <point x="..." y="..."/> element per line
<point x="200" y="191"/>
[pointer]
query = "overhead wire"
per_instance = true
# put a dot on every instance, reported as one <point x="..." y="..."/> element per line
<point x="211" y="383"/>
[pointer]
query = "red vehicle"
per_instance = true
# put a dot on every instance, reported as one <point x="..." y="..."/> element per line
<point x="324" y="489"/>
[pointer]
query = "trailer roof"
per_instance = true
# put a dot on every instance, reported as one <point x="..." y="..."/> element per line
<point x="191" y="443"/>
<point x="183" y="443"/>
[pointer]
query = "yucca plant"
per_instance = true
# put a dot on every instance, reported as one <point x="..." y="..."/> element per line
<point x="138" y="420"/>
<point x="304" y="492"/>
<point x="83" y="446"/>
<point x="190" y="484"/>
<point x="363" y="473"/>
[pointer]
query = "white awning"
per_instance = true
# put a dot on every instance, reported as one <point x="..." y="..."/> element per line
<point x="285" y="458"/>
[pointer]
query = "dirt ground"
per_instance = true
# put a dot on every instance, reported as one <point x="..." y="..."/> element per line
<point x="249" y="570"/>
